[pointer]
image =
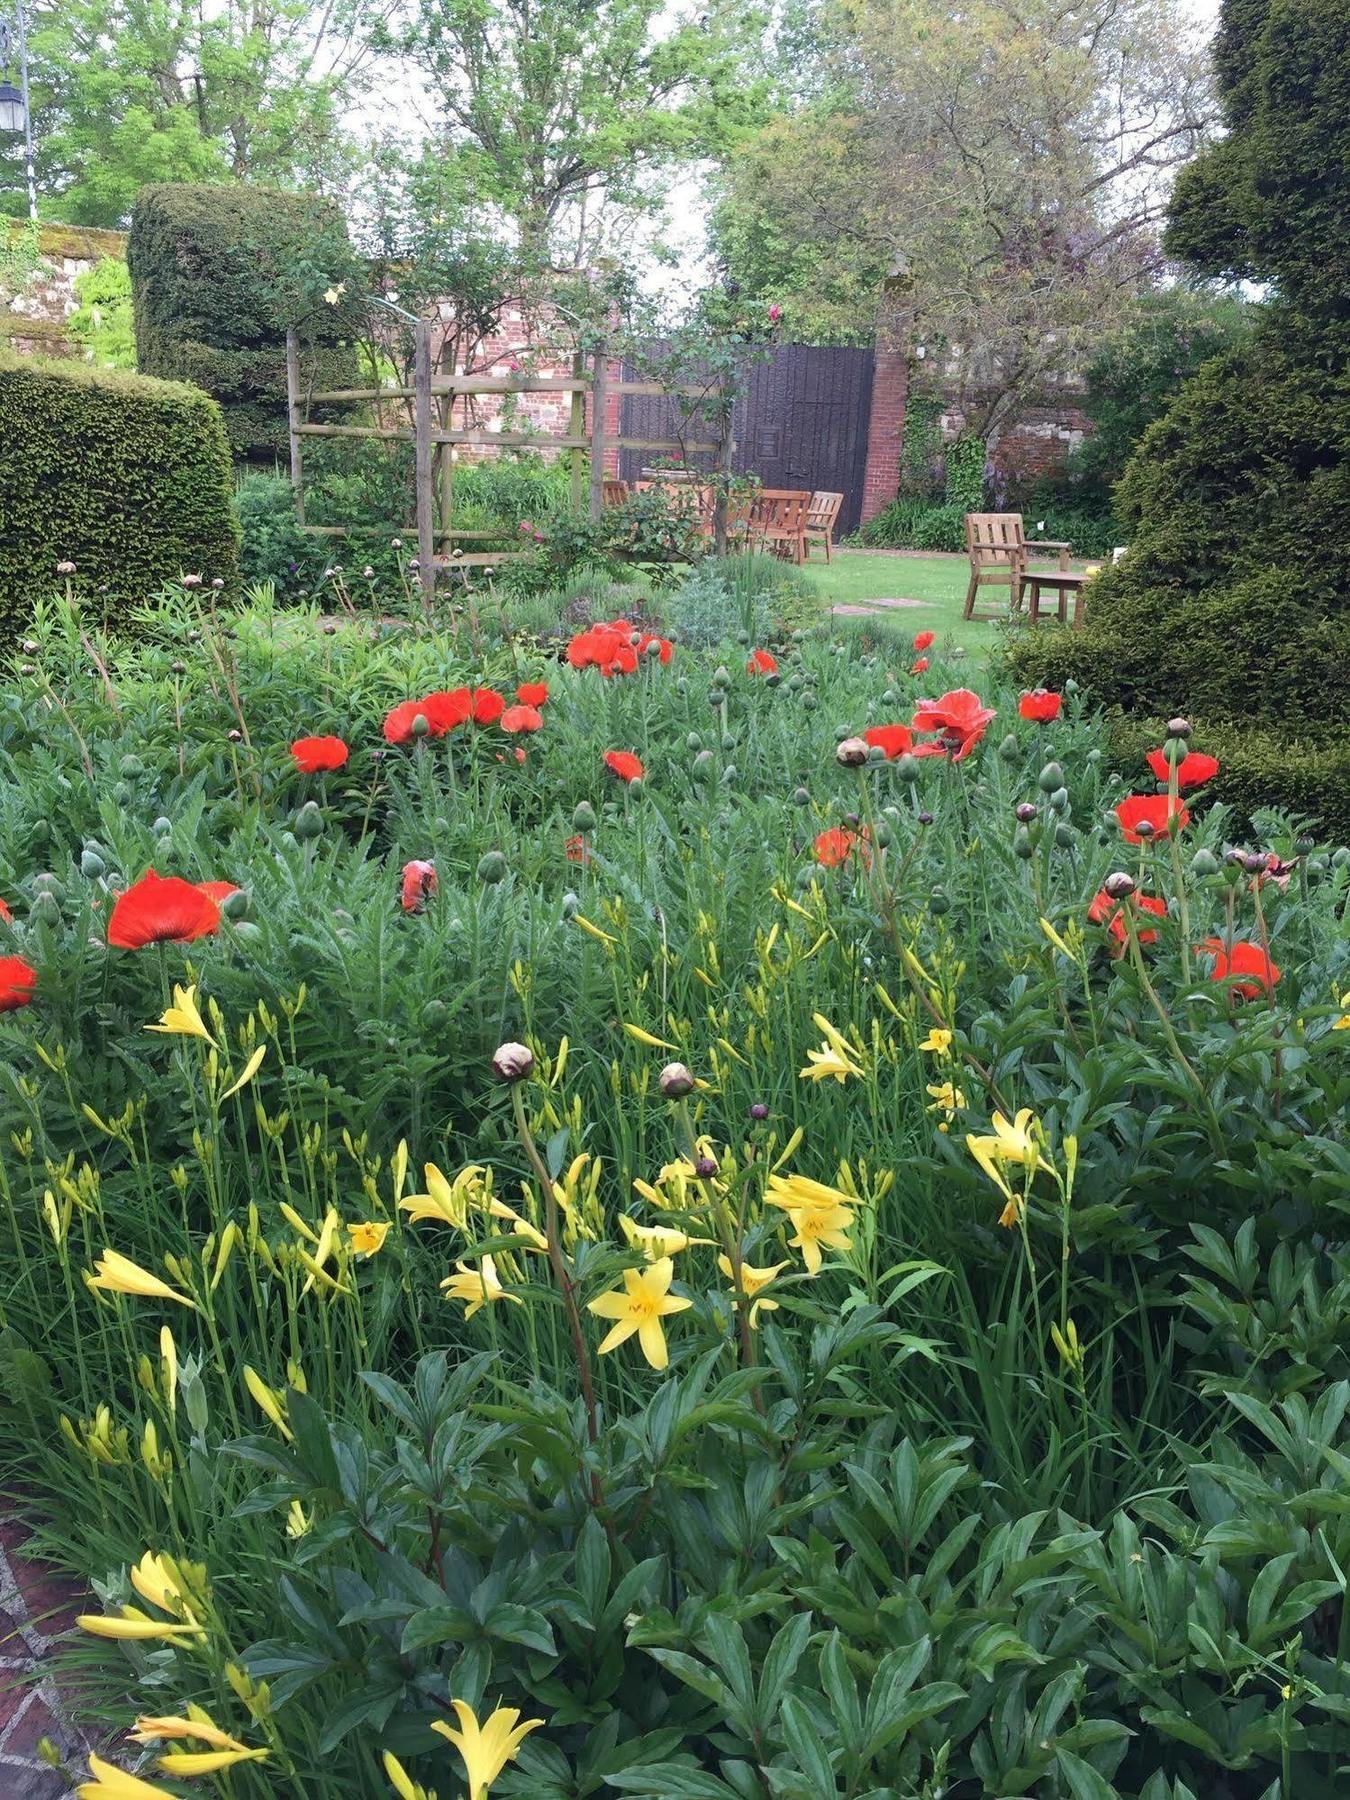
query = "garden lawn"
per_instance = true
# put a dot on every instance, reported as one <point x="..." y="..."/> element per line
<point x="937" y="582"/>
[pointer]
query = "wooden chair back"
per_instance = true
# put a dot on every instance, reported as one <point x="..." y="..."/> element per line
<point x="824" y="510"/>
<point x="614" y="493"/>
<point x="995" y="540"/>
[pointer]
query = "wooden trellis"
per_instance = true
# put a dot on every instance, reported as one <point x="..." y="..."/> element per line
<point x="435" y="437"/>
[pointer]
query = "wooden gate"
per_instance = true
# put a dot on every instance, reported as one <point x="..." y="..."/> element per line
<point x="800" y="423"/>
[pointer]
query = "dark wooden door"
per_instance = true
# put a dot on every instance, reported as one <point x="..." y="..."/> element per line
<point x="801" y="423"/>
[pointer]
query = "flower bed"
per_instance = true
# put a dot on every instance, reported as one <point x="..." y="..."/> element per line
<point x="741" y="1224"/>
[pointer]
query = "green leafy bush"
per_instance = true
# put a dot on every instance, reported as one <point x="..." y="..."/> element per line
<point x="218" y="275"/>
<point x="102" y="321"/>
<point x="127" y="478"/>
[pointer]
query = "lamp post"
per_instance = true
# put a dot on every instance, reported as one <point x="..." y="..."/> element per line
<point x="16" y="111"/>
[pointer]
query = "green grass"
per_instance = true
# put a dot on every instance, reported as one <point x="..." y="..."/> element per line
<point x="937" y="581"/>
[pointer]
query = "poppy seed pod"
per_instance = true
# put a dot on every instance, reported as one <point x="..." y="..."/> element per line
<point x="702" y="766"/>
<point x="1025" y="812"/>
<point x="675" y="1081"/>
<point x="421" y="725"/>
<point x="1119" y="885"/>
<point x="1174" y="751"/>
<point x="1255" y="863"/>
<point x="1179" y="728"/>
<point x="853" y="752"/>
<point x="512" y="1062"/>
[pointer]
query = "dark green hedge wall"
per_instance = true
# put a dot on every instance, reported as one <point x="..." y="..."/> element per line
<point x="217" y="275"/>
<point x="128" y="478"/>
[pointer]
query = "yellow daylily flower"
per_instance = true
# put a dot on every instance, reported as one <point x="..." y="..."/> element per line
<point x="477" y="1286"/>
<point x="753" y="1281"/>
<point x="640" y="1306"/>
<point x="402" y="1782"/>
<point x="367" y="1236"/>
<point x="271" y="1402"/>
<point x="1343" y="1023"/>
<point x="168" y="1356"/>
<point x="826" y="1064"/>
<point x="297" y="1520"/>
<point x="521" y="1227"/>
<point x="206" y="1762"/>
<point x="947" y="1098"/>
<point x="486" y="1749"/>
<point x="133" y="1625"/>
<point x="159" y="1580"/>
<point x="153" y="1730"/>
<point x="939" y="1040"/>
<point x="117" y="1274"/>
<point x="1016" y="1142"/>
<point x="817" y="1227"/>
<point x="251" y="1068"/>
<point x="182" y="1019"/>
<point x="656" y="1241"/>
<point x="115" y="1784"/>
<point x="445" y="1202"/>
<point x="645" y="1037"/>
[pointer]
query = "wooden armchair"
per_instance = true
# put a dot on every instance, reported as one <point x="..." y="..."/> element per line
<point x="998" y="549"/>
<point x="820" y="521"/>
<point x="778" y="522"/>
<point x="614" y="493"/>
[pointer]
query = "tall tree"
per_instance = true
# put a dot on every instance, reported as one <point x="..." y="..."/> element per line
<point x="133" y="91"/>
<point x="1008" y="160"/>
<point x="551" y="111"/>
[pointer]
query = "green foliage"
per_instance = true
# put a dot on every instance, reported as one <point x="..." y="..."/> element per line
<point x="904" y="1544"/>
<point x="218" y="276"/>
<point x="272" y="547"/>
<point x="102" y="321"/>
<point x="127" y="478"/>
<point x="964" y="480"/>
<point x="917" y="525"/>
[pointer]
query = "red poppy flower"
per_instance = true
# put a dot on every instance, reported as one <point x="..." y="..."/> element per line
<point x="1040" y="705"/>
<point x="314" y="754"/>
<point x="162" y="909"/>
<point x="6" y="914"/>
<point x="398" y="721"/>
<point x="960" y="716"/>
<point x="1243" y="959"/>
<point x="217" y="890"/>
<point x="445" y="709"/>
<point x="1152" y="810"/>
<point x="1103" y="910"/>
<point x="836" y="845"/>
<point x="488" y="706"/>
<point x="1194" y="768"/>
<point x="895" y="740"/>
<point x="598" y="647"/>
<point x="665" y="651"/>
<point x="17" y="981"/>
<point x="923" y="639"/>
<point x="576" y="850"/>
<point x="761" y="663"/>
<point x="624" y="764"/>
<point x="919" y="667"/>
<point x="532" y="693"/>
<point x="522" y="718"/>
<point x="419" y="883"/>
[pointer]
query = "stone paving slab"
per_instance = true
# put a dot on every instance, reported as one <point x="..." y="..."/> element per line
<point x="36" y="1608"/>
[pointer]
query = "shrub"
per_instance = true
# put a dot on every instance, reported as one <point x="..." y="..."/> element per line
<point x="102" y="321"/>
<point x="272" y="546"/>
<point x="127" y="478"/>
<point x="218" y="274"/>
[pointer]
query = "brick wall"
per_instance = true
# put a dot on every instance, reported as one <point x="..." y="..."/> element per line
<point x="33" y="321"/>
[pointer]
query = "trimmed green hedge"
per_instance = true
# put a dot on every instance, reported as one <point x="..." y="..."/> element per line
<point x="218" y="273"/>
<point x="126" y="477"/>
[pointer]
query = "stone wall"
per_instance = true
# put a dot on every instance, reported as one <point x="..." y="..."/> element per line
<point x="33" y="321"/>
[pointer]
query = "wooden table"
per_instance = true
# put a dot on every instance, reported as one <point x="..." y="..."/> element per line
<point x="1063" y="583"/>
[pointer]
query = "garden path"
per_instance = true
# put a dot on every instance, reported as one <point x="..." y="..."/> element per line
<point x="36" y="1608"/>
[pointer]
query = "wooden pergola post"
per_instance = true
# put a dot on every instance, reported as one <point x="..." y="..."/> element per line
<point x="422" y="462"/>
<point x="294" y="421"/>
<point x="599" y="395"/>
<point x="576" y="428"/>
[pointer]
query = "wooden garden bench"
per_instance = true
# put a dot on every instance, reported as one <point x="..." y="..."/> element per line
<point x="998" y="548"/>
<point x="820" y="521"/>
<point x="778" y="521"/>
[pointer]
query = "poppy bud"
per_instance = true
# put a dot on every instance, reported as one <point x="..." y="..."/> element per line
<point x="925" y="818"/>
<point x="721" y="676"/>
<point x="92" y="864"/>
<point x="852" y="753"/>
<point x="162" y="826"/>
<point x="1022" y="844"/>
<point x="234" y="737"/>
<point x="308" y="822"/>
<point x="675" y="1081"/>
<point x="1071" y="686"/>
<point x="65" y="568"/>
<point x="1255" y="862"/>
<point x="27" y="669"/>
<point x="45" y="910"/>
<point x="889" y="697"/>
<point x="235" y="906"/>
<point x="759" y="1110"/>
<point x="1317" y="867"/>
<point x="492" y="867"/>
<point x="1204" y="862"/>
<point x="583" y="816"/>
<point x="1340" y="858"/>
<point x="1235" y="858"/>
<point x="809" y="701"/>
<point x="30" y="646"/>
<point x="883" y="835"/>
<point x="702" y="766"/>
<point x="1178" y="728"/>
<point x="939" y="902"/>
<point x="1064" y="835"/>
<point x="1010" y="750"/>
<point x="728" y="743"/>
<point x="512" y="1062"/>
<point x="705" y="1167"/>
<point x="1050" y="778"/>
<point x="1119" y="885"/>
<point x="421" y="725"/>
<point x="1026" y="812"/>
<point x="1059" y="800"/>
<point x="730" y="776"/>
<point x="178" y="668"/>
<point x="801" y="797"/>
<point x="435" y="1014"/>
<point x="694" y="741"/>
<point x="907" y="768"/>
<point x="131" y="766"/>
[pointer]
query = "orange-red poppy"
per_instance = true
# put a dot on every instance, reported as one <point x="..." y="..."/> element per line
<point x="1245" y="959"/>
<point x="919" y="666"/>
<point x="1104" y="910"/>
<point x="488" y="706"/>
<point x="522" y="718"/>
<point x="445" y="709"/>
<point x="1195" y="767"/>
<point x="532" y="693"/>
<point x="313" y="755"/>
<point x="761" y="663"/>
<point x="1040" y="705"/>
<point x="399" y="721"/>
<point x="164" y="909"/>
<point x="961" y="718"/>
<point x="923" y="639"/>
<point x="895" y="740"/>
<point x="17" y="981"/>
<point x="1155" y="812"/>
<point x="418" y="885"/>
<point x="6" y="914"/>
<point x="836" y="845"/>
<point x="624" y="764"/>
